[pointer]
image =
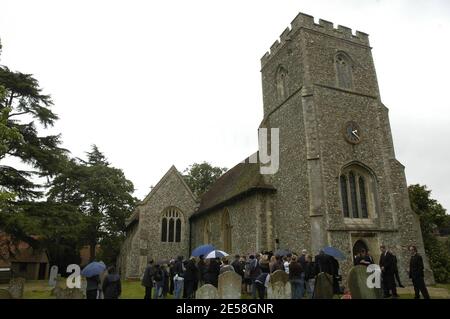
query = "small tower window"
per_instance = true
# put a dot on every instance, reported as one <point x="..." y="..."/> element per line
<point x="344" y="68"/>
<point x="282" y="81"/>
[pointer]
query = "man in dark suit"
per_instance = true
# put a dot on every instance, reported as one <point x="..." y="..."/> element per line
<point x="387" y="265"/>
<point x="416" y="273"/>
<point x="147" y="279"/>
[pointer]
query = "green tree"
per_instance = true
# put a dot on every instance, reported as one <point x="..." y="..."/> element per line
<point x="200" y="177"/>
<point x="101" y="192"/>
<point x="23" y="111"/>
<point x="21" y="105"/>
<point x="432" y="216"/>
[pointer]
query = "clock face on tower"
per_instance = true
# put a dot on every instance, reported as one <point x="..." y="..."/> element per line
<point x="352" y="132"/>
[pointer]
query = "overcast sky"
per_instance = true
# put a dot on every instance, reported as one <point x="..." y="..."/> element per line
<point x="156" y="83"/>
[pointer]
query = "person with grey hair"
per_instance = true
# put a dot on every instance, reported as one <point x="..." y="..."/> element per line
<point x="387" y="272"/>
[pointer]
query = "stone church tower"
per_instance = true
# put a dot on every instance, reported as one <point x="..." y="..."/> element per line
<point x="339" y="182"/>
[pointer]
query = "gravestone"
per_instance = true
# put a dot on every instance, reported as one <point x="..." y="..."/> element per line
<point x="4" y="294"/>
<point x="83" y="285"/>
<point x="323" y="288"/>
<point x="207" y="291"/>
<point x="70" y="293"/>
<point x="357" y="283"/>
<point x="279" y="286"/>
<point x="230" y="285"/>
<point x="53" y="276"/>
<point x="60" y="284"/>
<point x="16" y="287"/>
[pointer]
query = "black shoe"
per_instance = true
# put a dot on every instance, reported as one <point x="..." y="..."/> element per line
<point x="401" y="286"/>
<point x="387" y="296"/>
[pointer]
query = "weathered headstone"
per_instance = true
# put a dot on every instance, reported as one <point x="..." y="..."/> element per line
<point x="53" y="276"/>
<point x="69" y="293"/>
<point x="60" y="284"/>
<point x="357" y="283"/>
<point x="230" y="285"/>
<point x="4" y="294"/>
<point x="83" y="285"/>
<point x="16" y="287"/>
<point x="279" y="286"/>
<point x="207" y="291"/>
<point x="323" y="288"/>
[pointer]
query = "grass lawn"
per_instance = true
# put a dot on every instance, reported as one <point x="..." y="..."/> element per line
<point x="39" y="289"/>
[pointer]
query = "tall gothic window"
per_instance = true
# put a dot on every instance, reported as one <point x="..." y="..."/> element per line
<point x="281" y="80"/>
<point x="171" y="224"/>
<point x="344" y="68"/>
<point x="358" y="192"/>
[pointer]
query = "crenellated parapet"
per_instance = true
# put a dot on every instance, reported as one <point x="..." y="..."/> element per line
<point x="306" y="21"/>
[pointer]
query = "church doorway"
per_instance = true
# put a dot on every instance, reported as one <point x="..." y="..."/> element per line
<point x="226" y="231"/>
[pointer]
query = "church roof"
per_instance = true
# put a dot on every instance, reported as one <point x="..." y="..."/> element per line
<point x="241" y="180"/>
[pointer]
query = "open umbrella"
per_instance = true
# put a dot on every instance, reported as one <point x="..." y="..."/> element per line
<point x="282" y="252"/>
<point x="203" y="250"/>
<point x="216" y="254"/>
<point x="93" y="269"/>
<point x="334" y="252"/>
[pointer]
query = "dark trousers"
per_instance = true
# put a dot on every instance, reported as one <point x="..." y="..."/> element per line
<point x="91" y="294"/>
<point x="389" y="284"/>
<point x="261" y="289"/>
<point x="189" y="288"/>
<point x="148" y="292"/>
<point x="419" y="286"/>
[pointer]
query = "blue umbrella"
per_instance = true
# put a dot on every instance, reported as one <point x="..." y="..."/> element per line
<point x="93" y="269"/>
<point x="334" y="252"/>
<point x="203" y="250"/>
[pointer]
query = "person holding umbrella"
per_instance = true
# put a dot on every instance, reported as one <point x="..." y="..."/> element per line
<point x="92" y="273"/>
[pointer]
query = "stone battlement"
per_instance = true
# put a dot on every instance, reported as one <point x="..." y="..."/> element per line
<point x="303" y="20"/>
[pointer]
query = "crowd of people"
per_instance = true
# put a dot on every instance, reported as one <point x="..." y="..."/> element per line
<point x="182" y="277"/>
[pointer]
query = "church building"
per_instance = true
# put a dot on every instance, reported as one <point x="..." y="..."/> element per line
<point x="338" y="182"/>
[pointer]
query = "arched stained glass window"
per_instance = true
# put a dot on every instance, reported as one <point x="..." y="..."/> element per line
<point x="172" y="225"/>
<point x="358" y="193"/>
